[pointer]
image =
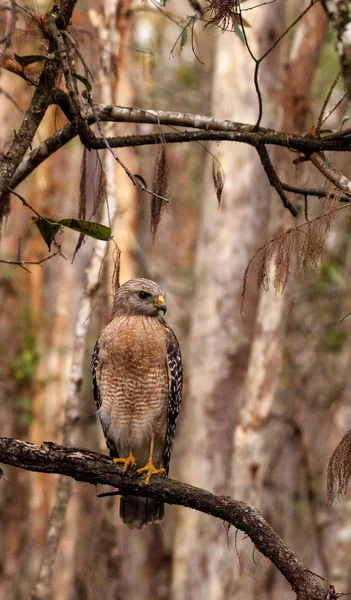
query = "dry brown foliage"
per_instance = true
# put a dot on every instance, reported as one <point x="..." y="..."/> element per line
<point x="116" y="269"/>
<point x="83" y="187"/>
<point x="100" y="193"/>
<point x="100" y="189"/>
<point x="218" y="179"/>
<point x="295" y="249"/>
<point x="222" y="12"/>
<point x="339" y="469"/>
<point x="160" y="187"/>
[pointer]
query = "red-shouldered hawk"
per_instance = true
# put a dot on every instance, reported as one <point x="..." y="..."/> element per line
<point x="137" y="383"/>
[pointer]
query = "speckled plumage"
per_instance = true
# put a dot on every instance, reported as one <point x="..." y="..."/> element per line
<point x="137" y="382"/>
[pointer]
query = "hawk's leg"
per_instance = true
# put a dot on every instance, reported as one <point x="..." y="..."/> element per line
<point x="150" y="468"/>
<point x="127" y="462"/>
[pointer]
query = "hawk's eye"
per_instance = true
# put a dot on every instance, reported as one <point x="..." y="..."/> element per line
<point x="143" y="295"/>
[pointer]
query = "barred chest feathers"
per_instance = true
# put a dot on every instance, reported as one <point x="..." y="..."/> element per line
<point x="134" y="381"/>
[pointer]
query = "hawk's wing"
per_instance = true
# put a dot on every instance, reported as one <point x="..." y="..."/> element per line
<point x="96" y="367"/>
<point x="175" y="369"/>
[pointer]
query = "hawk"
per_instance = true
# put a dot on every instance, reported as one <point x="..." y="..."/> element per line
<point x="137" y="384"/>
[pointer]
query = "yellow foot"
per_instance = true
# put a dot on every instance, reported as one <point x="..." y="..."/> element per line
<point x="127" y="462"/>
<point x="150" y="470"/>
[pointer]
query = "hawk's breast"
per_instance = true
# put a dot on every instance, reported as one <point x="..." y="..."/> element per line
<point x="133" y="380"/>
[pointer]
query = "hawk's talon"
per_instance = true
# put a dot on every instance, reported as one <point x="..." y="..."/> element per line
<point x="150" y="470"/>
<point x="128" y="462"/>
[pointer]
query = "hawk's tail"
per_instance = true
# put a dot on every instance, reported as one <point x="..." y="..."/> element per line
<point x="136" y="512"/>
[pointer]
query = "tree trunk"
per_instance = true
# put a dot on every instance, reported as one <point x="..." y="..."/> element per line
<point x="220" y="337"/>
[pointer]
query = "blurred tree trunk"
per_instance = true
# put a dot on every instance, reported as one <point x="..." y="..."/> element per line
<point x="39" y="341"/>
<point x="336" y="524"/>
<point x="98" y="573"/>
<point x="267" y="440"/>
<point x="14" y="499"/>
<point x="220" y="338"/>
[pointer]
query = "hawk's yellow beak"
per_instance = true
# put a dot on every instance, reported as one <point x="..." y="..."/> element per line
<point x="161" y="304"/>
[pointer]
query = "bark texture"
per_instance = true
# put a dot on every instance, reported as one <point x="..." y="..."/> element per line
<point x="93" y="468"/>
<point x="220" y="338"/>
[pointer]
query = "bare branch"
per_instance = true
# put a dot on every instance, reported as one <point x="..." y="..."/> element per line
<point x="21" y="263"/>
<point x="318" y="193"/>
<point x="321" y="117"/>
<point x="83" y="465"/>
<point x="273" y="177"/>
<point x="332" y="174"/>
<point x="206" y="128"/>
<point x="214" y="129"/>
<point x="333" y="108"/>
<point x="254" y="138"/>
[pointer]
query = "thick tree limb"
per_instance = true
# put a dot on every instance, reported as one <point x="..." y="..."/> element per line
<point x="206" y="128"/>
<point x="222" y="130"/>
<point x="90" y="467"/>
<point x="254" y="138"/>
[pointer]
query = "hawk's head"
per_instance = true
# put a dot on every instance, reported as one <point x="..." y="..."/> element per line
<point x="139" y="297"/>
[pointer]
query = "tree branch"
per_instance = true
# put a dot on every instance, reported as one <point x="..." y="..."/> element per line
<point x="206" y="128"/>
<point x="41" y="98"/>
<point x="254" y="138"/>
<point x="68" y="132"/>
<point x="332" y="174"/>
<point x="317" y="193"/>
<point x="90" y="467"/>
<point x="273" y="177"/>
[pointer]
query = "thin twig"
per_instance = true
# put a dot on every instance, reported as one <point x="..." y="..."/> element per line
<point x="318" y="193"/>
<point x="258" y="5"/>
<point x="333" y="109"/>
<point x="325" y="103"/>
<point x="180" y="35"/>
<point x="28" y="262"/>
<point x="87" y="71"/>
<point x="25" y="203"/>
<point x="265" y="54"/>
<point x="106" y="143"/>
<point x="273" y="177"/>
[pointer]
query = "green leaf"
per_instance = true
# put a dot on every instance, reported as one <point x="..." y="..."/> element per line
<point x="184" y="38"/>
<point x="94" y="230"/>
<point x="48" y="229"/>
<point x="24" y="61"/>
<point x="84" y="80"/>
<point x="239" y="33"/>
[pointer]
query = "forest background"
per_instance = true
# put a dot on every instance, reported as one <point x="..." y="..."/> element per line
<point x="267" y="380"/>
